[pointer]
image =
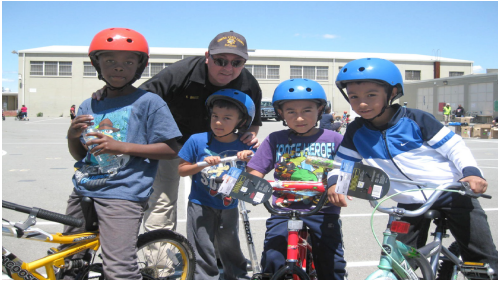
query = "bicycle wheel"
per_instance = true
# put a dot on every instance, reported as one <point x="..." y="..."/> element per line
<point x="165" y="254"/>
<point x="445" y="270"/>
<point x="282" y="274"/>
<point x="422" y="269"/>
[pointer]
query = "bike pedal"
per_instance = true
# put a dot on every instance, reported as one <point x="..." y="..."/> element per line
<point x="477" y="270"/>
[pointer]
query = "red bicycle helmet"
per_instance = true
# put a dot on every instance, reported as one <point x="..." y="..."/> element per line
<point x="119" y="39"/>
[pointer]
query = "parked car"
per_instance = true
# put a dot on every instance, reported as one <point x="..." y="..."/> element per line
<point x="267" y="110"/>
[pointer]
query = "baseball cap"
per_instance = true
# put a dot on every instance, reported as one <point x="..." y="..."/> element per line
<point x="229" y="43"/>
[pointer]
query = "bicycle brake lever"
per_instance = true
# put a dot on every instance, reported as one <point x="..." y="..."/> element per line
<point x="468" y="192"/>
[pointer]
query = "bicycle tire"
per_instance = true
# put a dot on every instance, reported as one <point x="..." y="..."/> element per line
<point x="175" y="258"/>
<point x="445" y="270"/>
<point x="423" y="271"/>
<point x="282" y="275"/>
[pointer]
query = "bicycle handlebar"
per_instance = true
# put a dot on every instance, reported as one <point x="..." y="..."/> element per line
<point x="222" y="160"/>
<point x="314" y="211"/>
<point x="464" y="188"/>
<point x="44" y="214"/>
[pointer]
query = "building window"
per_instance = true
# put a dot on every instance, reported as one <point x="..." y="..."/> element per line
<point x="456" y="73"/>
<point x="264" y="71"/>
<point x="309" y="72"/>
<point x="412" y="75"/>
<point x="154" y="68"/>
<point x="89" y="70"/>
<point x="51" y="68"/>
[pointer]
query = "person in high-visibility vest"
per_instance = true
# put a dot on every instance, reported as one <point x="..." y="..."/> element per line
<point x="447" y="113"/>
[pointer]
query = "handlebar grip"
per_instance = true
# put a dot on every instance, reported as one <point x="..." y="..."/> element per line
<point x="44" y="214"/>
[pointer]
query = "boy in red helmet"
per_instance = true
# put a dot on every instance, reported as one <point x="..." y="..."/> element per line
<point x="137" y="127"/>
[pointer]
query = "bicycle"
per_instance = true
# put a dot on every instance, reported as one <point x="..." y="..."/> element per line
<point x="175" y="260"/>
<point x="394" y="258"/>
<point x="395" y="255"/>
<point x="299" y="263"/>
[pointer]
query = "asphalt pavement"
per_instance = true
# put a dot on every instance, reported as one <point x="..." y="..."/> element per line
<point x="37" y="170"/>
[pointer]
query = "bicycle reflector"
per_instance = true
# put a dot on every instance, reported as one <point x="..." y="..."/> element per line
<point x="400" y="227"/>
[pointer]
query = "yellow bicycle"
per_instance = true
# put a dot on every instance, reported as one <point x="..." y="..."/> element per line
<point x="162" y="254"/>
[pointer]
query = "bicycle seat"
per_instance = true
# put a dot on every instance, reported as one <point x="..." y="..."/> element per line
<point x="433" y="214"/>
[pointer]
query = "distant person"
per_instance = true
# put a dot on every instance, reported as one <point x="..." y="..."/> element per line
<point x="72" y="112"/>
<point x="326" y="120"/>
<point x="405" y="104"/>
<point x="495" y="122"/>
<point x="460" y="111"/>
<point x="24" y="112"/>
<point x="134" y="124"/>
<point x="447" y="113"/>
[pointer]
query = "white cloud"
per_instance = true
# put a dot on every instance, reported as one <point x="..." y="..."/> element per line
<point x="7" y="80"/>
<point x="309" y="35"/>
<point x="329" y="36"/>
<point x="478" y="69"/>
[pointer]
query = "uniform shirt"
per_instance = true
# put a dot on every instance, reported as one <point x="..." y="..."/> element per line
<point x="286" y="153"/>
<point x="203" y="187"/>
<point x="326" y="121"/>
<point x="413" y="145"/>
<point x="185" y="87"/>
<point x="447" y="110"/>
<point x="140" y="117"/>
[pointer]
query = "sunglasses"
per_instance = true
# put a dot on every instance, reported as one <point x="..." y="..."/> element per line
<point x="223" y="62"/>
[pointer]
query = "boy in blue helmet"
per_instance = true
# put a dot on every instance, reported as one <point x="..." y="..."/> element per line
<point x="412" y="144"/>
<point x="212" y="217"/>
<point x="299" y="103"/>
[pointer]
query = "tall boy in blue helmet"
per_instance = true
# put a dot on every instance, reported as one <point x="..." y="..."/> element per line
<point x="411" y="144"/>
<point x="299" y="103"/>
<point x="211" y="216"/>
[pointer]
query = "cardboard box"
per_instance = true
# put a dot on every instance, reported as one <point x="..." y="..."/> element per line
<point x="494" y="133"/>
<point x="467" y="120"/>
<point x="476" y="132"/>
<point x="465" y="132"/>
<point x="481" y="126"/>
<point x="485" y="132"/>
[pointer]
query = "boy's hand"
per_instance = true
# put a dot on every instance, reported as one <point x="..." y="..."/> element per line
<point x="336" y="198"/>
<point x="243" y="155"/>
<point x="212" y="160"/>
<point x="78" y="125"/>
<point x="477" y="184"/>
<point x="105" y="145"/>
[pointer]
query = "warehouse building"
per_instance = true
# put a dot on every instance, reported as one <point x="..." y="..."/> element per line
<point x="53" y="78"/>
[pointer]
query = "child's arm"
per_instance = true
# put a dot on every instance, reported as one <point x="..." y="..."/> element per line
<point x="76" y="148"/>
<point x="188" y="169"/>
<point x="157" y="151"/>
<point x="255" y="172"/>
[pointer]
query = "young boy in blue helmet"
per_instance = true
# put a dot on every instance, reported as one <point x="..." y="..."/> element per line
<point x="299" y="103"/>
<point x="137" y="127"/>
<point x="412" y="144"/>
<point x="212" y="217"/>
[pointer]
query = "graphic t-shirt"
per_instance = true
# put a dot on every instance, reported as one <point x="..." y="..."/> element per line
<point x="285" y="153"/>
<point x="203" y="187"/>
<point x="140" y="117"/>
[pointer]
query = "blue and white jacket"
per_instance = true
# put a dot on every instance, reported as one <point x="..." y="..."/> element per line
<point x="413" y="145"/>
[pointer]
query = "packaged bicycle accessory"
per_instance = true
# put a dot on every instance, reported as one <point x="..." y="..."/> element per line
<point x="304" y="188"/>
<point x="246" y="187"/>
<point x="362" y="181"/>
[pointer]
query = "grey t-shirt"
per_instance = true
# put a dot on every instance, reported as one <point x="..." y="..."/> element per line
<point x="140" y="117"/>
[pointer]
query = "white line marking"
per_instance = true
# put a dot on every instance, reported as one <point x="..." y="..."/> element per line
<point x="32" y="122"/>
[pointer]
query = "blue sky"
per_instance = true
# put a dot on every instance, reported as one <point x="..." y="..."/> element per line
<point x="459" y="30"/>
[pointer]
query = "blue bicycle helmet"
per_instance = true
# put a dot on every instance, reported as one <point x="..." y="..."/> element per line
<point x="370" y="69"/>
<point x="298" y="89"/>
<point x="240" y="99"/>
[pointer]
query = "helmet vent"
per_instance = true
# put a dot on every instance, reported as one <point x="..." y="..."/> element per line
<point x="345" y="70"/>
<point x="291" y="90"/>
<point x="129" y="40"/>
<point x="361" y="69"/>
<point x="308" y="89"/>
<point x="110" y="39"/>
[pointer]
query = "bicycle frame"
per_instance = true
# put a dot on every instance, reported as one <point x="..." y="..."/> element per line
<point x="23" y="270"/>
